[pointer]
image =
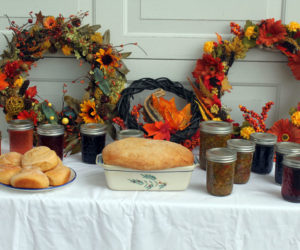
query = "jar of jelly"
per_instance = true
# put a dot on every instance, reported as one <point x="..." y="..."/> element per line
<point x="264" y="152"/>
<point x="92" y="141"/>
<point x="129" y="133"/>
<point x="220" y="171"/>
<point x="213" y="134"/>
<point x="281" y="149"/>
<point x="20" y="134"/>
<point x="290" y="188"/>
<point x="245" y="150"/>
<point x="52" y="136"/>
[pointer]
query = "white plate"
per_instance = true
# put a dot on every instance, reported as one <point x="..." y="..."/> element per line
<point x="73" y="176"/>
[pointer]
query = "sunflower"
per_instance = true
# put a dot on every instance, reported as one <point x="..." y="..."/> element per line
<point x="89" y="113"/>
<point x="106" y="58"/>
<point x="49" y="22"/>
<point x="285" y="131"/>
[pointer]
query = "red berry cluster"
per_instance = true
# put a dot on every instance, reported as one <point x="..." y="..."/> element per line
<point x="250" y="116"/>
<point x="136" y="111"/>
<point x="236" y="29"/>
<point x="119" y="121"/>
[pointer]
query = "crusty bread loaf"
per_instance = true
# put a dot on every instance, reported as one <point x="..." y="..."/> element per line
<point x="59" y="175"/>
<point x="146" y="154"/>
<point x="30" y="178"/>
<point x="41" y="157"/>
<point x="7" y="171"/>
<point x="12" y="158"/>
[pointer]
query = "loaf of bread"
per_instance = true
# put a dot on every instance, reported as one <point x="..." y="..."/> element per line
<point x="12" y="158"/>
<point x="40" y="157"/>
<point x="59" y="175"/>
<point x="30" y="178"/>
<point x="7" y="171"/>
<point x="146" y="154"/>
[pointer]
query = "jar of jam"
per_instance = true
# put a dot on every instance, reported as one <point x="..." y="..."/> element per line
<point x="129" y="133"/>
<point x="20" y="134"/>
<point x="52" y="136"/>
<point x="281" y="149"/>
<point x="264" y="152"/>
<point x="245" y="150"/>
<point x="290" y="188"/>
<point x="92" y="141"/>
<point x="213" y="134"/>
<point x="220" y="171"/>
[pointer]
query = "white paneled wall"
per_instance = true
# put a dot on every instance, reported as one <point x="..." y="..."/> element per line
<point x="172" y="32"/>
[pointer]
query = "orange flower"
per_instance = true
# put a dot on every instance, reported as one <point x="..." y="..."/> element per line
<point x="159" y="130"/>
<point x="49" y="22"/>
<point x="285" y="131"/>
<point x="3" y="84"/>
<point x="25" y="115"/>
<point x="66" y="50"/>
<point x="106" y="58"/>
<point x="89" y="113"/>
<point x="271" y="32"/>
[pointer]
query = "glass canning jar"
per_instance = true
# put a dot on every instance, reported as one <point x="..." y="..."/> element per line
<point x="245" y="150"/>
<point x="290" y="188"/>
<point x="264" y="152"/>
<point x="93" y="137"/>
<point x="220" y="171"/>
<point x="213" y="134"/>
<point x="281" y="149"/>
<point x="129" y="133"/>
<point x="20" y="134"/>
<point x="52" y="136"/>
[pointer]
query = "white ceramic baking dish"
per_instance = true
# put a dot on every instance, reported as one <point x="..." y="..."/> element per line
<point x="172" y="179"/>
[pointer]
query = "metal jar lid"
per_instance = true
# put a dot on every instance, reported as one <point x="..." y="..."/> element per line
<point x="129" y="133"/>
<point x="264" y="138"/>
<point x="221" y="155"/>
<point x="20" y="125"/>
<point x="241" y="145"/>
<point x="93" y="129"/>
<point x="216" y="127"/>
<point x="292" y="160"/>
<point x="50" y="129"/>
<point x="287" y="147"/>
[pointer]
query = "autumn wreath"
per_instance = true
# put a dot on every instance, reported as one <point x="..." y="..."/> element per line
<point x="41" y="34"/>
<point x="211" y="70"/>
<point x="168" y="123"/>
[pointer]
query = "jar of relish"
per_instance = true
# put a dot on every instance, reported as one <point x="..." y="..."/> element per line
<point x="264" y="152"/>
<point x="290" y="188"/>
<point x="245" y="150"/>
<point x="93" y="137"/>
<point x="52" y="136"/>
<point x="220" y="171"/>
<point x="213" y="134"/>
<point x="20" y="134"/>
<point x="281" y="149"/>
<point x="129" y="133"/>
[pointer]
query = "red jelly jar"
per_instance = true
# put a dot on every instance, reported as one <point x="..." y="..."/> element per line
<point x="52" y="136"/>
<point x="20" y="134"/>
<point x="290" y="188"/>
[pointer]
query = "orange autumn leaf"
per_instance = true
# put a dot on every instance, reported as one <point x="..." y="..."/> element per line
<point x="178" y="120"/>
<point x="3" y="84"/>
<point x="219" y="38"/>
<point x="159" y="130"/>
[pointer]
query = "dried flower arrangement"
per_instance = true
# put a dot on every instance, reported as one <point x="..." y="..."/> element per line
<point x="41" y="34"/>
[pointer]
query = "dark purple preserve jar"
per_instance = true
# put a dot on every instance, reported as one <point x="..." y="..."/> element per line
<point x="264" y="152"/>
<point x="92" y="141"/>
<point x="281" y="149"/>
<point x="52" y="136"/>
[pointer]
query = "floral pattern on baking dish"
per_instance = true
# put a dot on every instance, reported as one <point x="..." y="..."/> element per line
<point x="149" y="181"/>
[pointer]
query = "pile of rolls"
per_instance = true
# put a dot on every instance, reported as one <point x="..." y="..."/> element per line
<point x="39" y="167"/>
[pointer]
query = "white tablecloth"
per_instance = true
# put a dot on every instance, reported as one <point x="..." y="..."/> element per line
<point x="87" y="215"/>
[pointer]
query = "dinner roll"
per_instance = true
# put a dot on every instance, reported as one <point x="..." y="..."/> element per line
<point x="30" y="178"/>
<point x="7" y="171"/>
<point x="147" y="154"/>
<point x="41" y="157"/>
<point x="12" y="158"/>
<point x="59" y="175"/>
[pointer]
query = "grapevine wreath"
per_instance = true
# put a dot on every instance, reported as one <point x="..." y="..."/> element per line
<point x="41" y="34"/>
